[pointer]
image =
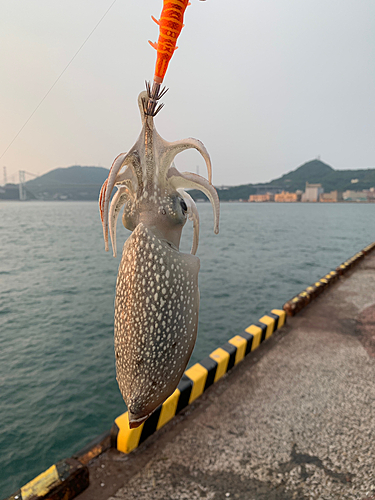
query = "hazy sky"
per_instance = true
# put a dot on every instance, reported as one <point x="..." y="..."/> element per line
<point x="266" y="85"/>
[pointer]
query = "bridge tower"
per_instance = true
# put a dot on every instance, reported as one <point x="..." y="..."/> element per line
<point x="22" y="182"/>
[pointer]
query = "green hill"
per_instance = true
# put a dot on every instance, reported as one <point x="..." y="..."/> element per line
<point x="316" y="171"/>
<point x="71" y="183"/>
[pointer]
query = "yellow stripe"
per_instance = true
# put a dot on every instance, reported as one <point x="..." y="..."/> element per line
<point x="127" y="438"/>
<point x="270" y="322"/>
<point x="42" y="484"/>
<point x="222" y="358"/>
<point x="241" y="345"/>
<point x="168" y="410"/>
<point x="198" y="374"/>
<point x="256" y="332"/>
<point x="171" y="19"/>
<point x="282" y="316"/>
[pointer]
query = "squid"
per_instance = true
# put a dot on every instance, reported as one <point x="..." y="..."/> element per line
<point x="157" y="296"/>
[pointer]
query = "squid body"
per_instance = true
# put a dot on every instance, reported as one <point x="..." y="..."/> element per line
<point x="157" y="296"/>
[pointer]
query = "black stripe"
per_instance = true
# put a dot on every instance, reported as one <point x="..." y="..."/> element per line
<point x="211" y="366"/>
<point x="276" y="318"/>
<point x="185" y="387"/>
<point x="114" y="434"/>
<point x="63" y="470"/>
<point x="249" y="339"/>
<point x="150" y="425"/>
<point x="264" y="329"/>
<point x="231" y="350"/>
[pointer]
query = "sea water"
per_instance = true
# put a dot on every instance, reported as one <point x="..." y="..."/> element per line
<point x="57" y="373"/>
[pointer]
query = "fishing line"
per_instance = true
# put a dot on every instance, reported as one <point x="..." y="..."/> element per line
<point x="58" y="78"/>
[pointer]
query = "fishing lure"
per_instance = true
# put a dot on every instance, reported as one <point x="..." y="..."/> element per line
<point x="157" y="296"/>
<point x="170" y="26"/>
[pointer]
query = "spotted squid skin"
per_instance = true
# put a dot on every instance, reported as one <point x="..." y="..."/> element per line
<point x="157" y="297"/>
<point x="156" y="320"/>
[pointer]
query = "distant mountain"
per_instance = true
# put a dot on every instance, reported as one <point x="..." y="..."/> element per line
<point x="314" y="171"/>
<point x="71" y="183"/>
<point x="72" y="175"/>
<point x="83" y="183"/>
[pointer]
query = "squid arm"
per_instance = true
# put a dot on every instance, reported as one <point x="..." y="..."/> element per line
<point x="118" y="201"/>
<point x="107" y="188"/>
<point x="188" y="180"/>
<point x="193" y="215"/>
<point x="176" y="147"/>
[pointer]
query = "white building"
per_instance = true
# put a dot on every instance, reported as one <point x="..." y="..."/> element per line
<point x="312" y="192"/>
<point x="354" y="195"/>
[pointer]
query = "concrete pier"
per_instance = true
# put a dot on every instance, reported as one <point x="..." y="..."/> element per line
<point x="295" y="420"/>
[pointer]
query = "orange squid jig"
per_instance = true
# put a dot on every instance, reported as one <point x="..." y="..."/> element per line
<point x="170" y="26"/>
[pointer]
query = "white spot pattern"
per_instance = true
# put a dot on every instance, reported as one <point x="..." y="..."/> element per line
<point x="154" y="332"/>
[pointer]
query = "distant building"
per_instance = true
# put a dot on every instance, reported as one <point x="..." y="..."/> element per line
<point x="261" y="198"/>
<point x="371" y="195"/>
<point x="354" y="195"/>
<point x="286" y="197"/>
<point x="312" y="192"/>
<point x="332" y="197"/>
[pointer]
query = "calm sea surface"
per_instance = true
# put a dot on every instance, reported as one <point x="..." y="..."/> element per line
<point x="57" y="378"/>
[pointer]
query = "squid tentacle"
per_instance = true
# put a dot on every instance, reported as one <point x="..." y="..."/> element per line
<point x="193" y="215"/>
<point x="176" y="147"/>
<point x="107" y="188"/>
<point x="118" y="201"/>
<point x="194" y="181"/>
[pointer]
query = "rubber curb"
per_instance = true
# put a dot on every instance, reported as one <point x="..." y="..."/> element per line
<point x="297" y="303"/>
<point x="196" y="380"/>
<point x="62" y="481"/>
<point x="66" y="479"/>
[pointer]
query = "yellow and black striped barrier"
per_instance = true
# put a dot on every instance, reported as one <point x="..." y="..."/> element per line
<point x="297" y="303"/>
<point x="64" y="480"/>
<point x="196" y="380"/>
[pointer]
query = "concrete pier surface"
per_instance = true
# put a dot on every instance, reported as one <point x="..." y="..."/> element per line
<point x="295" y="420"/>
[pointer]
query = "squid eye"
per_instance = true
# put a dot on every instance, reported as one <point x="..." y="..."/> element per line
<point x="183" y="205"/>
